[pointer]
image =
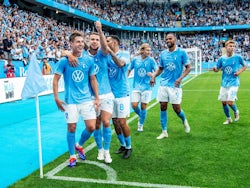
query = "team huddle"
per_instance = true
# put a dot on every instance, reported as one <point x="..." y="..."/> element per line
<point x="97" y="89"/>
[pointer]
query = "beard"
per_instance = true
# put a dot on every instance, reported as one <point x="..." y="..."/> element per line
<point x="170" y="44"/>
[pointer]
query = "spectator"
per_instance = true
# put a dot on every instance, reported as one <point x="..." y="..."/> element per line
<point x="46" y="67"/>
<point x="7" y="46"/>
<point x="9" y="69"/>
<point x="1" y="48"/>
<point x="17" y="52"/>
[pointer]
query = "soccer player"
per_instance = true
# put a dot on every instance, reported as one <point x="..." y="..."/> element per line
<point x="232" y="65"/>
<point x="79" y="82"/>
<point x="118" y="68"/>
<point x="143" y="66"/>
<point x="172" y="61"/>
<point x="98" y="51"/>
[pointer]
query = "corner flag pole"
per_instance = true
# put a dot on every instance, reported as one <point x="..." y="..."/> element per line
<point x="33" y="85"/>
<point x="39" y="137"/>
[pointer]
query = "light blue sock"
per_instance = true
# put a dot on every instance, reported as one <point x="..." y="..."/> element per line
<point x="98" y="138"/>
<point x="85" y="136"/>
<point x="107" y="135"/>
<point x="143" y="116"/>
<point x="71" y="142"/>
<point x="226" y="111"/>
<point x="128" y="142"/>
<point x="182" y="116"/>
<point x="121" y="139"/>
<point x="137" y="111"/>
<point x="164" y="120"/>
<point x="234" y="107"/>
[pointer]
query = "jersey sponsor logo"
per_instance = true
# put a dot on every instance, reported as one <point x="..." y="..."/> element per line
<point x="112" y="72"/>
<point x="141" y="72"/>
<point x="171" y="66"/>
<point x="77" y="75"/>
<point x="228" y="70"/>
<point x="96" y="69"/>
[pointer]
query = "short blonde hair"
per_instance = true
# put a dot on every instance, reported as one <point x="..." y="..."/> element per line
<point x="142" y="47"/>
<point x="229" y="42"/>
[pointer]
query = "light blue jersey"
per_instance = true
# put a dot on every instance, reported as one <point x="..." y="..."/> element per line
<point x="229" y="66"/>
<point x="141" y="68"/>
<point x="172" y="63"/>
<point x="101" y="71"/>
<point x="76" y="79"/>
<point x="118" y="76"/>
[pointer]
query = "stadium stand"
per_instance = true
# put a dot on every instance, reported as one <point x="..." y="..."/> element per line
<point x="45" y="29"/>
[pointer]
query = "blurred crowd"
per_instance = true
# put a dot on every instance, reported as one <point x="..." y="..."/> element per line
<point x="23" y="32"/>
<point x="167" y="14"/>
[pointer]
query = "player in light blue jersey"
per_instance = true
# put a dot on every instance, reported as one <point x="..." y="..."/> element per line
<point x="143" y="66"/>
<point x="98" y="51"/>
<point x="171" y="66"/>
<point x="80" y="82"/>
<point x="118" y="67"/>
<point x="232" y="65"/>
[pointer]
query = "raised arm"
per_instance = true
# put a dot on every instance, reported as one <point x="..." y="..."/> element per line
<point x="103" y="42"/>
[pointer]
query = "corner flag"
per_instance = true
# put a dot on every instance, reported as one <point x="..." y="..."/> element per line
<point x="34" y="83"/>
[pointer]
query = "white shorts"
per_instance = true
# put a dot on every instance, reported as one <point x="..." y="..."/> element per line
<point x="141" y="96"/>
<point x="172" y="95"/>
<point x="85" y="110"/>
<point x="228" y="94"/>
<point x="106" y="103"/>
<point x="121" y="107"/>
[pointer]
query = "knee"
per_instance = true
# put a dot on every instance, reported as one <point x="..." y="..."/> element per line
<point x="134" y="105"/>
<point x="106" y="122"/>
<point x="163" y="107"/>
<point x="177" y="110"/>
<point x="71" y="128"/>
<point x="91" y="129"/>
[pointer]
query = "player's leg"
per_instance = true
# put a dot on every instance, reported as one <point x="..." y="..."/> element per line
<point x="232" y="97"/>
<point x="71" y="143"/>
<point x="223" y="97"/>
<point x="71" y="116"/>
<point x="88" y="114"/>
<point x="118" y="129"/>
<point x="127" y="137"/>
<point x="145" y="99"/>
<point x="162" y="97"/>
<point x="135" y="98"/>
<point x="98" y="138"/>
<point x="120" y="136"/>
<point x="123" y="113"/>
<point x="107" y="134"/>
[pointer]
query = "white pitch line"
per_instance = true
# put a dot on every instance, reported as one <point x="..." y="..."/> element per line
<point x="111" y="173"/>
<point x="136" y="184"/>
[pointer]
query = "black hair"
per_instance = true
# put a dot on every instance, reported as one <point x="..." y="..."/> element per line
<point x="115" y="37"/>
